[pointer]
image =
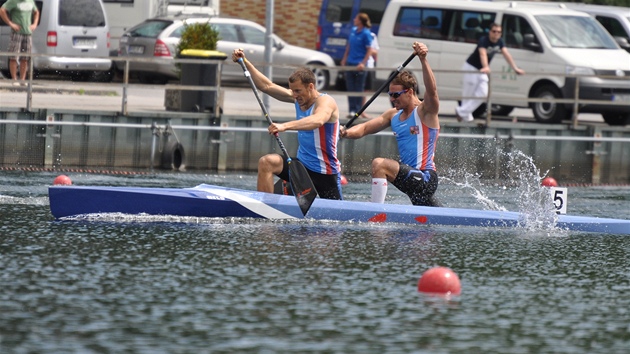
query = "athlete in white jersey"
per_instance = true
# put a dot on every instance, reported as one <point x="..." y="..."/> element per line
<point x="317" y="124"/>
<point x="416" y="126"/>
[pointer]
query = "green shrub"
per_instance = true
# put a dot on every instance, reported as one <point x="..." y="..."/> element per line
<point x="200" y="35"/>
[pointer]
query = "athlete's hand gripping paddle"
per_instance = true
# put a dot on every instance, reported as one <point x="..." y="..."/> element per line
<point x="380" y="89"/>
<point x="300" y="181"/>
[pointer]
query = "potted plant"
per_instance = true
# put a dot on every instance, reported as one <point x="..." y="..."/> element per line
<point x="198" y="35"/>
<point x="198" y="41"/>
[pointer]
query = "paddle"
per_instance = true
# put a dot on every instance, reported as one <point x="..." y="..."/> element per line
<point x="300" y="181"/>
<point x="380" y="89"/>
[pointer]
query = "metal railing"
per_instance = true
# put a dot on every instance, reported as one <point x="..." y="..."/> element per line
<point x="227" y="129"/>
<point x="575" y="101"/>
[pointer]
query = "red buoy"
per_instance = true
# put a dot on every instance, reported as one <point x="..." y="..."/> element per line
<point x="549" y="182"/>
<point x="439" y="280"/>
<point x="344" y="180"/>
<point x="62" y="180"/>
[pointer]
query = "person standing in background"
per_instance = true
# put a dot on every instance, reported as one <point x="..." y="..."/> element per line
<point x="371" y="75"/>
<point x="22" y="16"/>
<point x="358" y="52"/>
<point x="475" y="84"/>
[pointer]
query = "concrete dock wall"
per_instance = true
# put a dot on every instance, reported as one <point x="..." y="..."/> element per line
<point x="62" y="139"/>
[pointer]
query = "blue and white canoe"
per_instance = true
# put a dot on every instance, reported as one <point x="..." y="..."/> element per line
<point x="220" y="202"/>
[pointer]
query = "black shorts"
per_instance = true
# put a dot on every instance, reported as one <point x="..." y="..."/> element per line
<point x="418" y="185"/>
<point x="327" y="186"/>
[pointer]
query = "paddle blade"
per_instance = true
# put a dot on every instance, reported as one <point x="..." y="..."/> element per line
<point x="302" y="186"/>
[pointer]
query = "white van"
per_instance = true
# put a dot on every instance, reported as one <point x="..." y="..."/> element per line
<point x="547" y="42"/>
<point x="75" y="36"/>
<point x="193" y="8"/>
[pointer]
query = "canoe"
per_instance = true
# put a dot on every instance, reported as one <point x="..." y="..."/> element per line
<point x="220" y="202"/>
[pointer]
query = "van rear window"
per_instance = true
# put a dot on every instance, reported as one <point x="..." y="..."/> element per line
<point x="84" y="13"/>
<point x="339" y="10"/>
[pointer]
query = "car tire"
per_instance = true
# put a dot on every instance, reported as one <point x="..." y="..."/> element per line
<point x="616" y="119"/>
<point x="497" y="110"/>
<point x="548" y="112"/>
<point x="322" y="77"/>
<point x="102" y="76"/>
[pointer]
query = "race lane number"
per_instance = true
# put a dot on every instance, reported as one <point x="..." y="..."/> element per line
<point x="559" y="198"/>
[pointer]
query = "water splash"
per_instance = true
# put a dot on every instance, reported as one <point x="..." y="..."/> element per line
<point x="534" y="200"/>
<point x="519" y="186"/>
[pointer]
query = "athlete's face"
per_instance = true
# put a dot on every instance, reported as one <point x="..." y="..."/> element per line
<point x="301" y="92"/>
<point x="398" y="95"/>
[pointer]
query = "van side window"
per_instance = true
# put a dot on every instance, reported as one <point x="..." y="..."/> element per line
<point x="456" y="26"/>
<point x="514" y="28"/>
<point x="613" y="26"/>
<point x="467" y="26"/>
<point x="419" y="22"/>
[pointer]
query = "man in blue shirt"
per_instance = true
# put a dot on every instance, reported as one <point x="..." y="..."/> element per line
<point x="358" y="52"/>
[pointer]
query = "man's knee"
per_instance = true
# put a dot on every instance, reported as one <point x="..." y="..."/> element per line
<point x="378" y="165"/>
<point x="270" y="163"/>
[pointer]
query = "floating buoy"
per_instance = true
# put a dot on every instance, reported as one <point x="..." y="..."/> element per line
<point x="344" y="180"/>
<point x="549" y="182"/>
<point x="62" y="180"/>
<point x="439" y="280"/>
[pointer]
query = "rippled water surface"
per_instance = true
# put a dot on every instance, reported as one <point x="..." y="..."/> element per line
<point x="123" y="284"/>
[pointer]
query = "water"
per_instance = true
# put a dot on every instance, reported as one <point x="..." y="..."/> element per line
<point x="123" y="284"/>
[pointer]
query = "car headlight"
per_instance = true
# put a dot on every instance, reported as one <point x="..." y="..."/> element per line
<point x="579" y="70"/>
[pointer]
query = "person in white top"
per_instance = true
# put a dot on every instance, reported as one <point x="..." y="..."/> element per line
<point x="371" y="75"/>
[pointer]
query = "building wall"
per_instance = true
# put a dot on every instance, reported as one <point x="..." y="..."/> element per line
<point x="295" y="20"/>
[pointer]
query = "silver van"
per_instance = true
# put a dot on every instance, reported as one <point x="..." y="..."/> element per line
<point x="73" y="36"/>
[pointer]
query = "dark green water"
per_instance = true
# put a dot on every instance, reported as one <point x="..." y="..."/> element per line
<point x="171" y="285"/>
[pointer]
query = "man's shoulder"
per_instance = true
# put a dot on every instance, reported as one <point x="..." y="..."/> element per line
<point x="325" y="98"/>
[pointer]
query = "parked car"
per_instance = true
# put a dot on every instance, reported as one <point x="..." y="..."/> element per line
<point x="158" y="38"/>
<point x="615" y="19"/>
<point x="77" y="42"/>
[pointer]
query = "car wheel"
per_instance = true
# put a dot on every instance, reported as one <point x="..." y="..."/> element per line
<point x="497" y="110"/>
<point x="321" y="77"/>
<point x="102" y="76"/>
<point x="618" y="119"/>
<point x="548" y="112"/>
<point x="145" y="79"/>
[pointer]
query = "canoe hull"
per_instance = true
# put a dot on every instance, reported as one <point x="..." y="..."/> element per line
<point x="214" y="201"/>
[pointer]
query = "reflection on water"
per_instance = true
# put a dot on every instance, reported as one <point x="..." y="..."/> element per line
<point x="117" y="283"/>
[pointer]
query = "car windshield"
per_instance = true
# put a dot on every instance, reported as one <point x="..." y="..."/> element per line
<point x="150" y="29"/>
<point x="575" y="32"/>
